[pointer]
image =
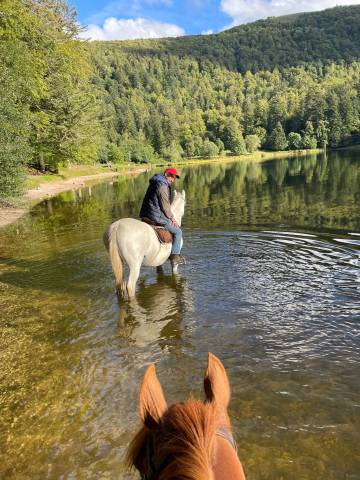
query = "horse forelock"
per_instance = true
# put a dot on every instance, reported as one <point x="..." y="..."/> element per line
<point x="183" y="443"/>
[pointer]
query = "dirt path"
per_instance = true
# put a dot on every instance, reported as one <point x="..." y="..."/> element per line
<point x="10" y="214"/>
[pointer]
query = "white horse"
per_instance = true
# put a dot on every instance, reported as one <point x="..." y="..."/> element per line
<point x="135" y="243"/>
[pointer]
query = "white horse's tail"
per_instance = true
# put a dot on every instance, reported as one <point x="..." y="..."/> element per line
<point x="115" y="259"/>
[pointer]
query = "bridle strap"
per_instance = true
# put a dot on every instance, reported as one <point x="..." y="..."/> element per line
<point x="150" y="458"/>
<point x="225" y="433"/>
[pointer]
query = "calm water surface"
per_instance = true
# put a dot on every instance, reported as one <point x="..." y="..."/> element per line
<point x="272" y="286"/>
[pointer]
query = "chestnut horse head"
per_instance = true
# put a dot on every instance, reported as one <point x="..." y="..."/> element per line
<point x="186" y="441"/>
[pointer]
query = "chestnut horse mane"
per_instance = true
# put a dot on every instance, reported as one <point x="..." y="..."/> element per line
<point x="183" y="443"/>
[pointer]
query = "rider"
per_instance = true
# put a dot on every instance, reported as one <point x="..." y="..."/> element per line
<point x="156" y="207"/>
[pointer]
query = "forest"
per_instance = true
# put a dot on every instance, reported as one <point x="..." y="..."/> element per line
<point x="284" y="83"/>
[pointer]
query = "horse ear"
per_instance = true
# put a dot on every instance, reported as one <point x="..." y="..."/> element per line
<point x="152" y="405"/>
<point x="216" y="382"/>
<point x="183" y="194"/>
<point x="175" y="193"/>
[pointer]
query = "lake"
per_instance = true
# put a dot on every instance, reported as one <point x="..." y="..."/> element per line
<point x="272" y="287"/>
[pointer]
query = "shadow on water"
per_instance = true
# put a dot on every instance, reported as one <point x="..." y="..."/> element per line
<point x="33" y="274"/>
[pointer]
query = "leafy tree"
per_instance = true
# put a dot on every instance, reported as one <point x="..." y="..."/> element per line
<point x="309" y="139"/>
<point x="237" y="144"/>
<point x="252" y="143"/>
<point x="48" y="105"/>
<point x="143" y="153"/>
<point x="172" y="153"/>
<point x="334" y="118"/>
<point x="220" y="145"/>
<point x="277" y="139"/>
<point x="19" y="83"/>
<point x="229" y="131"/>
<point x="209" y="149"/>
<point x="322" y="133"/>
<point x="261" y="133"/>
<point x="116" y="154"/>
<point x="295" y="141"/>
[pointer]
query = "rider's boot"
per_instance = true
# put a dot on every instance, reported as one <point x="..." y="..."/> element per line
<point x="177" y="259"/>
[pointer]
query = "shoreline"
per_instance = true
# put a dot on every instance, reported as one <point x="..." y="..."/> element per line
<point x="9" y="214"/>
<point x="259" y="156"/>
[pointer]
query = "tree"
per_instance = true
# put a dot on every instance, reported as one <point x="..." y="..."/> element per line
<point x="143" y="153"/>
<point x="220" y="145"/>
<point x="237" y="144"/>
<point x="252" y="143"/>
<point x="115" y="154"/>
<point x="295" y="141"/>
<point x="209" y="149"/>
<point x="334" y="118"/>
<point x="261" y="133"/>
<point x="229" y="131"/>
<point x="277" y="111"/>
<point x="172" y="153"/>
<point x="19" y="84"/>
<point x="277" y="139"/>
<point x="322" y="133"/>
<point x="309" y="139"/>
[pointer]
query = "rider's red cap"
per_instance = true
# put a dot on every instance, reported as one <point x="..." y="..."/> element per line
<point x="172" y="171"/>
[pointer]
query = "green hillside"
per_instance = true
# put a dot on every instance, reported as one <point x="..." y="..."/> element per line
<point x="189" y="96"/>
<point x="331" y="35"/>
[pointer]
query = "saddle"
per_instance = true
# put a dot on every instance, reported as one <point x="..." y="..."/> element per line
<point x="164" y="236"/>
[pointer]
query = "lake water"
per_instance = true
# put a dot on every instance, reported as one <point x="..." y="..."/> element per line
<point x="272" y="287"/>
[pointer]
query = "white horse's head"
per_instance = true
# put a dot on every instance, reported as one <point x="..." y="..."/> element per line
<point x="178" y="206"/>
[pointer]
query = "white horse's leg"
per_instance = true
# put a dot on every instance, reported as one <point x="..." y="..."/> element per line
<point x="134" y="272"/>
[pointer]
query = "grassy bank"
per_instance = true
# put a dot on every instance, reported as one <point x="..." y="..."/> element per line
<point x="34" y="180"/>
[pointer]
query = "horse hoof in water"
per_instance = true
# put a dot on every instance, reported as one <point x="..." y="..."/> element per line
<point x="190" y="440"/>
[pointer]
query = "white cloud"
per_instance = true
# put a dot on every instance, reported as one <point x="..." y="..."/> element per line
<point x="207" y="32"/>
<point x="131" y="29"/>
<point x="244" y="11"/>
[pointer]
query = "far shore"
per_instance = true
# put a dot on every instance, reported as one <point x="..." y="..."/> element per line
<point x="54" y="185"/>
<point x="258" y="156"/>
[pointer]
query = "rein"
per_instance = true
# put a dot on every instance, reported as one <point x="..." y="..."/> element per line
<point x="153" y="472"/>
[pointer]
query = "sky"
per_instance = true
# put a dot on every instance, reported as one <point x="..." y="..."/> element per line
<point x="131" y="19"/>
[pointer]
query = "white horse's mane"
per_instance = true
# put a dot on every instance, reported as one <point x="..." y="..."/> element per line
<point x="178" y="205"/>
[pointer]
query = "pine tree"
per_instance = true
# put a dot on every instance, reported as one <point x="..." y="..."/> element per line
<point x="237" y="144"/>
<point x="309" y="139"/>
<point x="277" y="139"/>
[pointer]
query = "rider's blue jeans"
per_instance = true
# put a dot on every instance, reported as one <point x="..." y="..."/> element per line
<point x="177" y="232"/>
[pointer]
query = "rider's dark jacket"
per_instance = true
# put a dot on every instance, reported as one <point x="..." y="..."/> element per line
<point x="156" y="203"/>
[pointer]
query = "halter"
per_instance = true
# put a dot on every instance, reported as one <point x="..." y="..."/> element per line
<point x="225" y="433"/>
<point x="220" y="432"/>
